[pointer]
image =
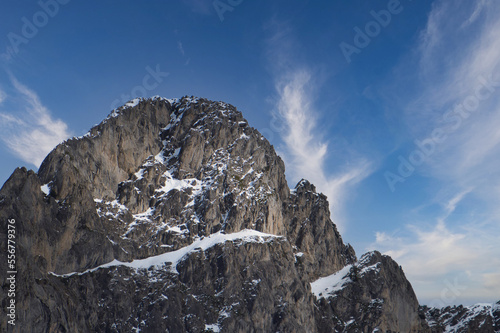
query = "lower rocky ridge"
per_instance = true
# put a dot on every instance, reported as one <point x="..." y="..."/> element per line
<point x="245" y="284"/>
<point x="479" y="318"/>
<point x="371" y="295"/>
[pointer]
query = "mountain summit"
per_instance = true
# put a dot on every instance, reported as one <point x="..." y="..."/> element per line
<point x="174" y="215"/>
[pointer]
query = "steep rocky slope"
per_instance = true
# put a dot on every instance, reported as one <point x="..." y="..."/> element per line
<point x="370" y="294"/>
<point x="175" y="215"/>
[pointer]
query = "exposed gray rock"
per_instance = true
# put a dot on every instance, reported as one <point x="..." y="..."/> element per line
<point x="318" y="244"/>
<point x="480" y="318"/>
<point x="174" y="182"/>
<point x="370" y="295"/>
<point x="109" y="153"/>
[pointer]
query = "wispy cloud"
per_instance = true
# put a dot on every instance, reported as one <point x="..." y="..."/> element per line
<point x="455" y="70"/>
<point x="480" y="6"/>
<point x="180" y="47"/>
<point x="30" y="132"/>
<point x="433" y="252"/>
<point x="432" y="257"/>
<point x="458" y="53"/>
<point x="305" y="152"/>
<point x="452" y="204"/>
<point x="295" y="107"/>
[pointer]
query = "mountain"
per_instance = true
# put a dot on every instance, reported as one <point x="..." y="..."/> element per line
<point x="174" y="215"/>
<point x="471" y="319"/>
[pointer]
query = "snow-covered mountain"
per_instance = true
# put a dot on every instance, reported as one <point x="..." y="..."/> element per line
<point x="174" y="215"/>
<point x="476" y="318"/>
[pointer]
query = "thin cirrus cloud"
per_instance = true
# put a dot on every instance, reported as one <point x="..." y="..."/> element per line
<point x="30" y="132"/>
<point x="465" y="167"/>
<point x="470" y="155"/>
<point x="304" y="151"/>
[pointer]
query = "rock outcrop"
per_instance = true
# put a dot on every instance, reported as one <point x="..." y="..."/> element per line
<point x="369" y="295"/>
<point x="479" y="318"/>
<point x="175" y="215"/>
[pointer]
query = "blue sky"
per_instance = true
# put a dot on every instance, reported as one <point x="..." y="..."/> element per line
<point x="390" y="107"/>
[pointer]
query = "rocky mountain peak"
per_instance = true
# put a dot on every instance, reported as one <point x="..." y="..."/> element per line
<point x="175" y="214"/>
<point x="162" y="172"/>
<point x="305" y="186"/>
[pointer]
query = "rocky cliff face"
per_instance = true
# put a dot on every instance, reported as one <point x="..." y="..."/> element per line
<point x="175" y="215"/>
<point x="369" y="295"/>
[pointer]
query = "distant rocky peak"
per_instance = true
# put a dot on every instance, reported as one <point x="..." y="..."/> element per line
<point x="304" y="186"/>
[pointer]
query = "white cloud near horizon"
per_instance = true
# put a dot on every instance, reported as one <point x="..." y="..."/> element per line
<point x="30" y="132"/>
<point x="432" y="257"/>
<point x="458" y="51"/>
<point x="435" y="258"/>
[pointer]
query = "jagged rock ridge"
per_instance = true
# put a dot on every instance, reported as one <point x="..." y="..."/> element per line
<point x="175" y="214"/>
<point x="477" y="318"/>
